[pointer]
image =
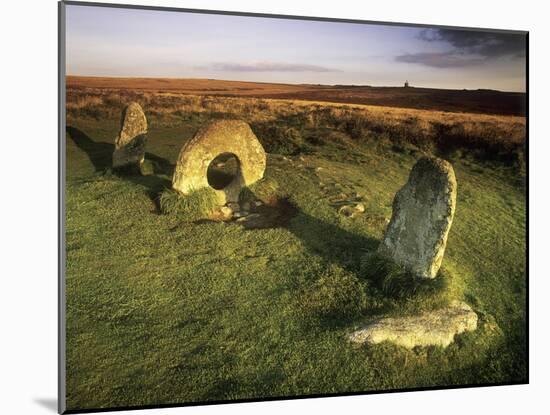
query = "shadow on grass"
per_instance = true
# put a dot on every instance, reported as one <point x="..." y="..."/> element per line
<point x="100" y="154"/>
<point x="332" y="242"/>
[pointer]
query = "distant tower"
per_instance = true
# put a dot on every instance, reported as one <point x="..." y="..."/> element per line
<point x="406" y="84"/>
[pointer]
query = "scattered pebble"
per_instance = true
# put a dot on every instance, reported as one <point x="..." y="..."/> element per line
<point x="240" y="214"/>
<point x="226" y="211"/>
<point x="347" y="211"/>
<point x="359" y="207"/>
<point x="233" y="206"/>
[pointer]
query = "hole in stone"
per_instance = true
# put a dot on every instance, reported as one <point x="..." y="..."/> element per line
<point x="222" y="170"/>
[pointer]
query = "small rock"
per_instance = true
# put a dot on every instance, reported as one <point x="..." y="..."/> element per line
<point x="347" y="211"/>
<point x="318" y="169"/>
<point x="245" y="206"/>
<point x="233" y="206"/>
<point x="226" y="211"/>
<point x="258" y="203"/>
<point x="359" y="207"/>
<point x="240" y="214"/>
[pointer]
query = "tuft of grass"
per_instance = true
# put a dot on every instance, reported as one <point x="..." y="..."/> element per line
<point x="196" y="205"/>
<point x="396" y="281"/>
<point x="336" y="295"/>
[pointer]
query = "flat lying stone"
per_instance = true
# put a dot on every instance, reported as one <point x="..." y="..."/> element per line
<point x="432" y="328"/>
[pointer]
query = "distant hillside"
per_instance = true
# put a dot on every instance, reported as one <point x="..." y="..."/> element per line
<point x="481" y="101"/>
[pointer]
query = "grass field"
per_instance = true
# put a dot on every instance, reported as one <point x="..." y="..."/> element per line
<point x="164" y="310"/>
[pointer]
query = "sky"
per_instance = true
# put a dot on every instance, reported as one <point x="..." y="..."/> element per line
<point x="105" y="41"/>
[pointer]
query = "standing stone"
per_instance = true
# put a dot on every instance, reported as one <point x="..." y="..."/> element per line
<point x="422" y="215"/>
<point x="130" y="142"/>
<point x="219" y="137"/>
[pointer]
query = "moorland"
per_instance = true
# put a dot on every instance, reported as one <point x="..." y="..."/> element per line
<point x="162" y="309"/>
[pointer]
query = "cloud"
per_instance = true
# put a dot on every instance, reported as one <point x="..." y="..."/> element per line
<point x="466" y="48"/>
<point x="440" y="60"/>
<point x="488" y="44"/>
<point x="267" y="67"/>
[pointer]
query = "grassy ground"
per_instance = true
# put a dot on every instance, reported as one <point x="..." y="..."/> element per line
<point x="161" y="310"/>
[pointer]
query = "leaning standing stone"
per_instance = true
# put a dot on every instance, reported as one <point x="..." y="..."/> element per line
<point x="130" y="142"/>
<point x="422" y="215"/>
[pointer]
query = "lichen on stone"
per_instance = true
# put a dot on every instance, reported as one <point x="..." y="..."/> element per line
<point x="132" y="138"/>
<point x="431" y="328"/>
<point x="422" y="216"/>
<point x="219" y="137"/>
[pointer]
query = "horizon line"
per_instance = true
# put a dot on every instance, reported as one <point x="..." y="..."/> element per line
<point x="290" y="83"/>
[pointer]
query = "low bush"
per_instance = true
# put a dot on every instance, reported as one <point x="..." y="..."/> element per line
<point x="279" y="139"/>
